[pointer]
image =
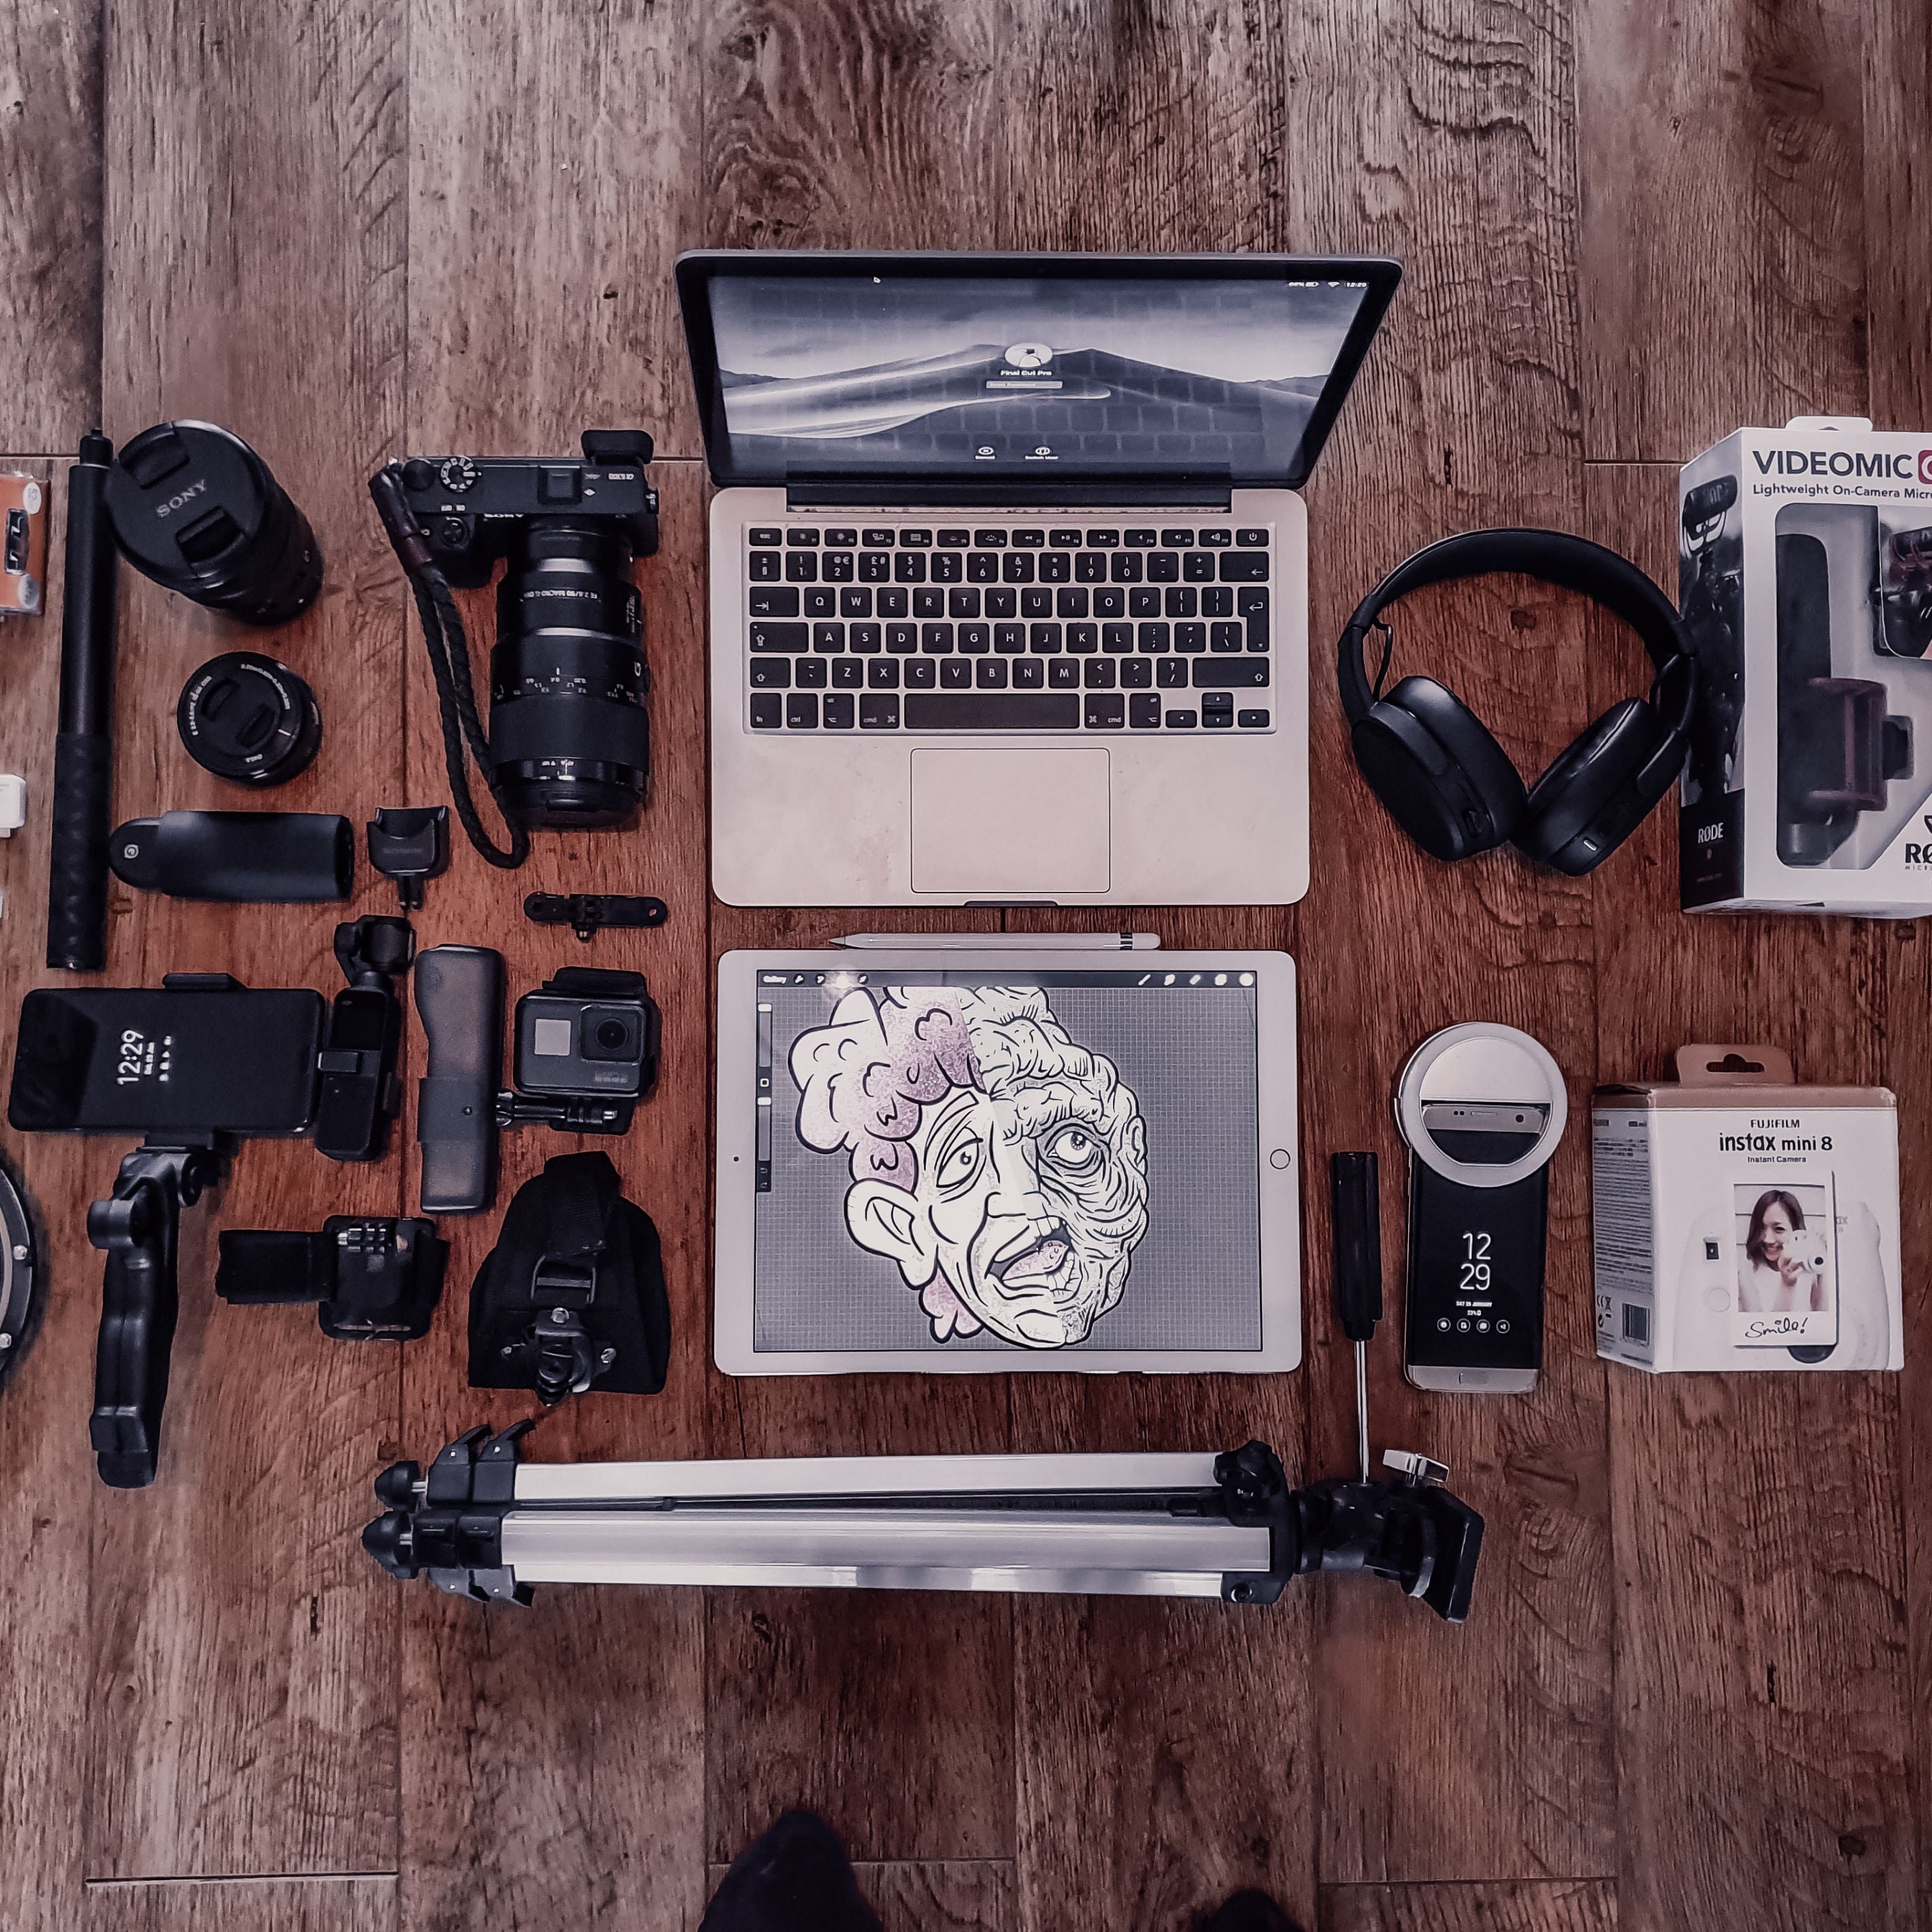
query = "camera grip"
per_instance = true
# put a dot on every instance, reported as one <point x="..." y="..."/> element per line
<point x="77" y="866"/>
<point x="140" y="1300"/>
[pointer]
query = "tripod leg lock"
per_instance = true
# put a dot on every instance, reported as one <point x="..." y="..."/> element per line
<point x="449" y="1525"/>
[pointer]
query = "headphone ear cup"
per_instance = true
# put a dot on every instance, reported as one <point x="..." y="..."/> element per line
<point x="1600" y="789"/>
<point x="1444" y="780"/>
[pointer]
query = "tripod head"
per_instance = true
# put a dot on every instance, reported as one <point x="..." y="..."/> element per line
<point x="1410" y="1529"/>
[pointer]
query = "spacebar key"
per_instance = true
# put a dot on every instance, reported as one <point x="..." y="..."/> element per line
<point x="992" y="711"/>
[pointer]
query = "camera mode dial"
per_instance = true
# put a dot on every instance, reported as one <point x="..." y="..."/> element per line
<point x="459" y="474"/>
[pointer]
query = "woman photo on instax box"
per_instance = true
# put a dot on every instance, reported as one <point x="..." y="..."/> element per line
<point x="1778" y="1276"/>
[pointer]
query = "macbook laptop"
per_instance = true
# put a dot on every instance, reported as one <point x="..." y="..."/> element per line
<point x="1008" y="575"/>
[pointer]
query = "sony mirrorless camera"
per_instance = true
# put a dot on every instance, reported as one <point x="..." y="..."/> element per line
<point x="569" y="741"/>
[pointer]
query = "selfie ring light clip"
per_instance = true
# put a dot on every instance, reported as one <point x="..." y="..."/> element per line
<point x="1492" y="1086"/>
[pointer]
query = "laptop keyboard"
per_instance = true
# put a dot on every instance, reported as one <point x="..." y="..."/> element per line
<point x="1009" y="627"/>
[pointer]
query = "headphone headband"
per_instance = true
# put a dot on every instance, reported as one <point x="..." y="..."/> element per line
<point x="1550" y="556"/>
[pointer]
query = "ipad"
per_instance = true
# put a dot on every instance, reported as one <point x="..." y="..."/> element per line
<point x="948" y="1161"/>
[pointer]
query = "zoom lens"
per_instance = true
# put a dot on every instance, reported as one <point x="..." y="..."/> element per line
<point x="569" y="741"/>
<point x="195" y="508"/>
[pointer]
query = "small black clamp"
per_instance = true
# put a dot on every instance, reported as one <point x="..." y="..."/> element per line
<point x="408" y="844"/>
<point x="588" y="913"/>
<point x="449" y="1524"/>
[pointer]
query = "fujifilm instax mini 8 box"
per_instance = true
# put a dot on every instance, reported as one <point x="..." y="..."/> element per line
<point x="1740" y="1221"/>
<point x="1806" y="587"/>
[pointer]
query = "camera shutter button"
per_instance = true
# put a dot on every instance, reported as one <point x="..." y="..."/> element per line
<point x="419" y="475"/>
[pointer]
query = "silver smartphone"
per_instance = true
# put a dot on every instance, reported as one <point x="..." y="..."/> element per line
<point x="1476" y="1255"/>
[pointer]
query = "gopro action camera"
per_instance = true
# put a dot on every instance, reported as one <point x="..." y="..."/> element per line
<point x="588" y="1031"/>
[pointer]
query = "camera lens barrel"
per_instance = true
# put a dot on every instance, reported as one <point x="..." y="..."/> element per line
<point x="195" y="508"/>
<point x="569" y="739"/>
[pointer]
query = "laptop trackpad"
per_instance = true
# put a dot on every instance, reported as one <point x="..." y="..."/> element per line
<point x="1003" y="823"/>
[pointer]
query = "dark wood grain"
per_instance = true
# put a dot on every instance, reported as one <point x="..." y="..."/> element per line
<point x="245" y="1905"/>
<point x="46" y="1503"/>
<point x="1760" y="1573"/>
<point x="553" y="162"/>
<point x="1898" y="73"/>
<point x="243" y="1663"/>
<point x="1723" y="273"/>
<point x="1583" y="1905"/>
<point x="1458" y="161"/>
<point x="1157" y="129"/>
<point x="597" y="1695"/>
<point x="1898" y="181"/>
<point x="933" y="1896"/>
<point x="554" y="175"/>
<point x="894" y="1715"/>
<point x="1692" y="1690"/>
<point x="50" y="225"/>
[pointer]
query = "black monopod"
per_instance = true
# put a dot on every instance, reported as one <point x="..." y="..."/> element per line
<point x="83" y="757"/>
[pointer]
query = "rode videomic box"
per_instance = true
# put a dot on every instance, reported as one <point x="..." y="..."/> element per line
<point x="1741" y="1221"/>
<point x="1806" y="587"/>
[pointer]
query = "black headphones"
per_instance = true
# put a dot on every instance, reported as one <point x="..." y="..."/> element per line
<point x="1449" y="785"/>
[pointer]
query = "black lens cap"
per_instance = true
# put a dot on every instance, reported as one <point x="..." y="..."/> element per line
<point x="177" y="488"/>
<point x="246" y="718"/>
<point x="195" y="508"/>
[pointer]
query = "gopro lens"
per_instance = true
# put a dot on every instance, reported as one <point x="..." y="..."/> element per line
<point x="608" y="1035"/>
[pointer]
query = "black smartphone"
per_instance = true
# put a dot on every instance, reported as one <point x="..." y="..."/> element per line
<point x="206" y="1053"/>
<point x="1476" y="1255"/>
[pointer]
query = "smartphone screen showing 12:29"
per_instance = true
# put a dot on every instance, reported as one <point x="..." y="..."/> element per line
<point x="1476" y="1268"/>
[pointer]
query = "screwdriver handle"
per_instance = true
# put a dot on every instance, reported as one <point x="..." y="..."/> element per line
<point x="1355" y="1197"/>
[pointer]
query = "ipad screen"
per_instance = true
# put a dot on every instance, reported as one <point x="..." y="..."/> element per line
<point x="1024" y="1163"/>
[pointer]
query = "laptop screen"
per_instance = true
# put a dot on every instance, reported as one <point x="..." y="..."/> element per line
<point x="1023" y="369"/>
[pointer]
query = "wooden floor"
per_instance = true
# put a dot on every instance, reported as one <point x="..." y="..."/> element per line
<point x="1693" y="1693"/>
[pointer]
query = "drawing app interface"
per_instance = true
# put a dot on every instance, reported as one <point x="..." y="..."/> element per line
<point x="1040" y="1161"/>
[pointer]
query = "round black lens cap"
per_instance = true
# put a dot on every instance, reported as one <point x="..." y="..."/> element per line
<point x="245" y="717"/>
<point x="195" y="508"/>
<point x="183" y="493"/>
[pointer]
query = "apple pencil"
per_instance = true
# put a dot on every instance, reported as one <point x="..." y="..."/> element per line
<point x="1001" y="942"/>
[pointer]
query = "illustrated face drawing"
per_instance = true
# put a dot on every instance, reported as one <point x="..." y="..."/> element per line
<point x="1003" y="1167"/>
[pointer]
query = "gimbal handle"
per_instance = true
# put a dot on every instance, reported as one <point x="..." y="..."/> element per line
<point x="138" y="1227"/>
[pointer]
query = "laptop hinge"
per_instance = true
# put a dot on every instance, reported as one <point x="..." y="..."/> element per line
<point x="906" y="493"/>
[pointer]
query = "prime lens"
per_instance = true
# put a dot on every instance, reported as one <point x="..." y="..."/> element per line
<point x="195" y="508"/>
<point x="569" y="741"/>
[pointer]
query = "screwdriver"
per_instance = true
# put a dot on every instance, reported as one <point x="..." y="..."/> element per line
<point x="1354" y="1189"/>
